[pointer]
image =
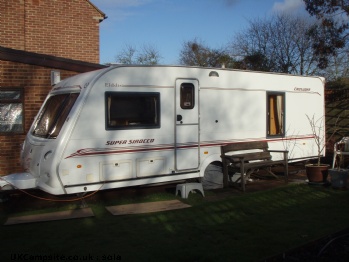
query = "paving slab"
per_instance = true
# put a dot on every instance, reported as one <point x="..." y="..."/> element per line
<point x="140" y="208"/>
<point x="69" y="214"/>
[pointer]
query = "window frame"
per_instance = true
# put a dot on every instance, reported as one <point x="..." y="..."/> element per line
<point x="282" y="133"/>
<point x="15" y="101"/>
<point x="133" y="94"/>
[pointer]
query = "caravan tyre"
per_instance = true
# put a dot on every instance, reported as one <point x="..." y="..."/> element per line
<point x="213" y="176"/>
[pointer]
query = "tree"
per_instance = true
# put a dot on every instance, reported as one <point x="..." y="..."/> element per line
<point x="127" y="55"/>
<point x="196" y="53"/>
<point x="338" y="67"/>
<point x="148" y="55"/>
<point x="256" y="62"/>
<point x="331" y="33"/>
<point x="252" y="47"/>
<point x="280" y="43"/>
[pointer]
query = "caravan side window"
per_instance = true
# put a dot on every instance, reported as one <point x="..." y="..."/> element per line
<point x="275" y="114"/>
<point x="132" y="110"/>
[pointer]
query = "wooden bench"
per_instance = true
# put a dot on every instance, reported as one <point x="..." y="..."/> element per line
<point x="246" y="157"/>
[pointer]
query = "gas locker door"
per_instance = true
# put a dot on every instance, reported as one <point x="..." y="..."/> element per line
<point x="187" y="124"/>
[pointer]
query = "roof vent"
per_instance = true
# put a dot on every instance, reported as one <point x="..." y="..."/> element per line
<point x="213" y="74"/>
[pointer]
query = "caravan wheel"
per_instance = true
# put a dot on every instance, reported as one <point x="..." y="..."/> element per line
<point x="213" y="176"/>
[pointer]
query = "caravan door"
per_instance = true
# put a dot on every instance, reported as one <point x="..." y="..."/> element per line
<point x="187" y="124"/>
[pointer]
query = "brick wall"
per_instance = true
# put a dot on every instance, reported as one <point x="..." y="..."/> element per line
<point x="12" y="24"/>
<point x="36" y="82"/>
<point x="62" y="28"/>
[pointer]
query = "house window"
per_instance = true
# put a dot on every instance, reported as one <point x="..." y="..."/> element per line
<point x="187" y="96"/>
<point x="131" y="110"/>
<point x="276" y="115"/>
<point x="11" y="111"/>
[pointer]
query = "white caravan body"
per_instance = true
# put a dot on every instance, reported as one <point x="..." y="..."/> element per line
<point x="138" y="125"/>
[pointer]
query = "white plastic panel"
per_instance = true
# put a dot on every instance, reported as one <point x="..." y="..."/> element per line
<point x="150" y="167"/>
<point x="115" y="170"/>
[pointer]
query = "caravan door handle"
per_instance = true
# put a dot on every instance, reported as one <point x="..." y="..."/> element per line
<point x="179" y="117"/>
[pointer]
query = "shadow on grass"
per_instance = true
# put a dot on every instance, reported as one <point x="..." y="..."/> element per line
<point x="246" y="227"/>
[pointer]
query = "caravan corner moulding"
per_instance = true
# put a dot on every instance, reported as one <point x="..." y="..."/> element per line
<point x="126" y="126"/>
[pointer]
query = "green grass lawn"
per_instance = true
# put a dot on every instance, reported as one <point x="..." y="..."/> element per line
<point x="246" y="227"/>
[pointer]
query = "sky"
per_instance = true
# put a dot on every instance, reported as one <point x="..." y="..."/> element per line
<point x="167" y="24"/>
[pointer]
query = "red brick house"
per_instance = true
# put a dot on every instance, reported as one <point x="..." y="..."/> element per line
<point x="39" y="37"/>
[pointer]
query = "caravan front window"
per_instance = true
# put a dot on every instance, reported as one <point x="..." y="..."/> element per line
<point x="131" y="110"/>
<point x="53" y="115"/>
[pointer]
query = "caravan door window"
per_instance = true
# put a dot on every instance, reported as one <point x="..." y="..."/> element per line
<point x="187" y="96"/>
<point x="132" y="110"/>
<point x="276" y="114"/>
<point x="53" y="115"/>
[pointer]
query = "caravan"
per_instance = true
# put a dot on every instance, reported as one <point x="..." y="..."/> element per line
<point x="126" y="126"/>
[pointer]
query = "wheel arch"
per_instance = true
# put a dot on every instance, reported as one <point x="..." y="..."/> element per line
<point x="212" y="158"/>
